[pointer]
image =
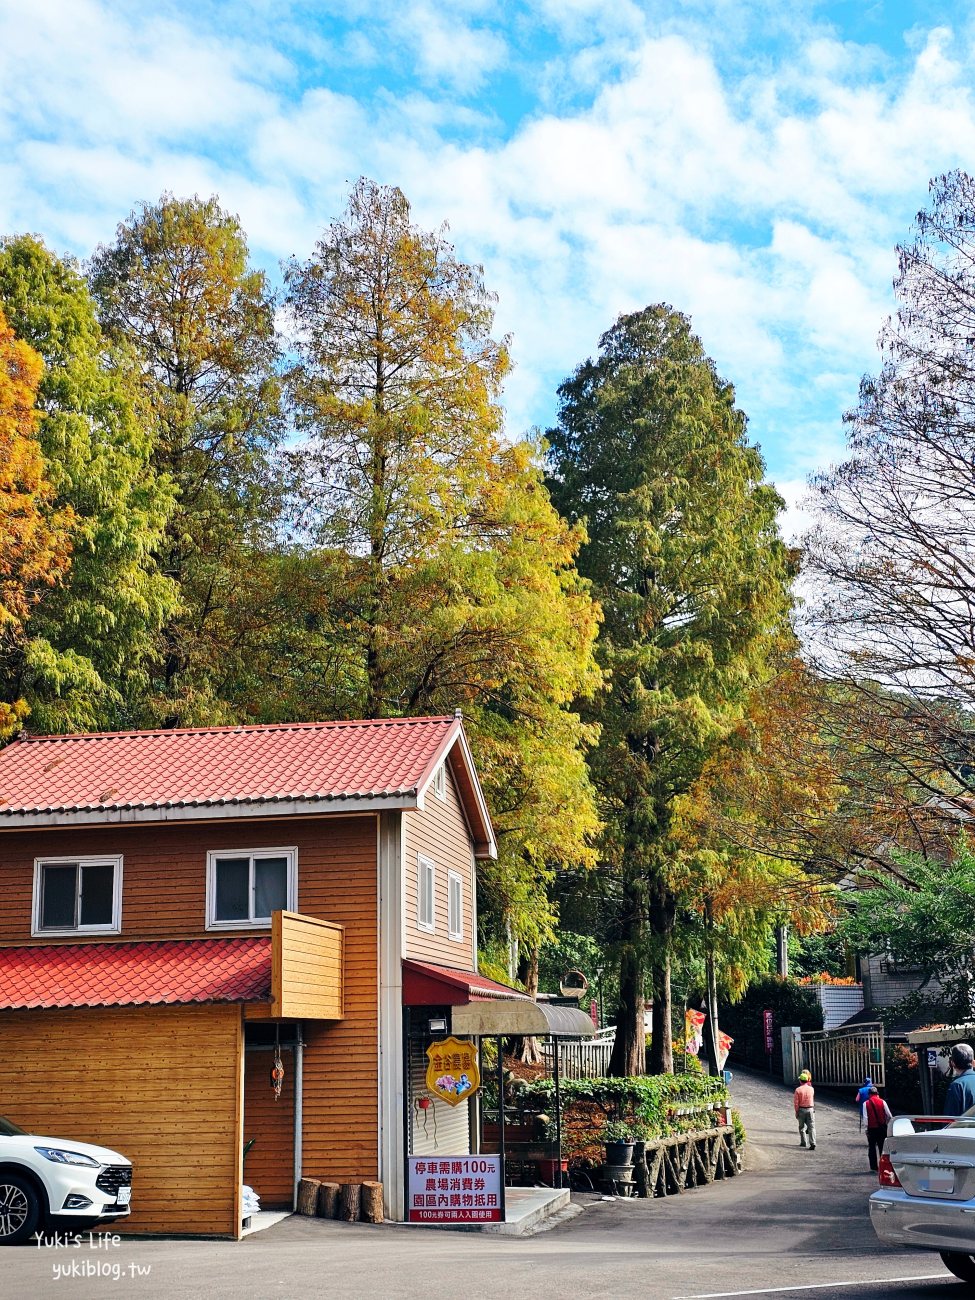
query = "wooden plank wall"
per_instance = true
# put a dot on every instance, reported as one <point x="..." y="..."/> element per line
<point x="161" y="1085"/>
<point x="269" y="1165"/>
<point x="164" y="897"/>
<point x="307" y="968"/>
<point x="440" y="833"/>
<point x="341" y="1059"/>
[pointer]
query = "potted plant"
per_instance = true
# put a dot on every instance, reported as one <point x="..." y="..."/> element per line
<point x="619" y="1138"/>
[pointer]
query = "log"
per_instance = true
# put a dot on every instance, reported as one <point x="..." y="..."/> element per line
<point x="308" y="1196"/>
<point x="372" y="1202"/>
<point x="349" y="1201"/>
<point x="328" y="1200"/>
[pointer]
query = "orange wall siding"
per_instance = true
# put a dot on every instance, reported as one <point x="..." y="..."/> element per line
<point x="160" y="1085"/>
<point x="439" y="833"/>
<point x="164" y="870"/>
<point x="164" y="897"/>
<point x="269" y="1165"/>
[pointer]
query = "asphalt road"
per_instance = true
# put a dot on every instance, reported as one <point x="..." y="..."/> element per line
<point x="795" y="1224"/>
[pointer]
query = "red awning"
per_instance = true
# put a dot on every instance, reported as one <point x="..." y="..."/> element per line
<point x="426" y="985"/>
<point x="136" y="974"/>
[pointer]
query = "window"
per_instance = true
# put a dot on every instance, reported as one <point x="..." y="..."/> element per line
<point x="77" y="896"/>
<point x="245" y="886"/>
<point x="455" y="906"/>
<point x="440" y="782"/>
<point x="425" y="900"/>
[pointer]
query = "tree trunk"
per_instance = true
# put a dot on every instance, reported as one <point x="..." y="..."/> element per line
<point x="308" y="1196"/>
<point x="372" y="1202"/>
<point x="349" y="1201"/>
<point x="711" y="1008"/>
<point x="528" y="1050"/>
<point x="663" y="915"/>
<point x="711" y="994"/>
<point x="661" y="1059"/>
<point x="328" y="1200"/>
<point x="628" y="1057"/>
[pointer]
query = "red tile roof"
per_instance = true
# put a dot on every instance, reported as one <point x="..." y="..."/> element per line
<point x="136" y="974"/>
<point x="192" y="767"/>
<point x="467" y="983"/>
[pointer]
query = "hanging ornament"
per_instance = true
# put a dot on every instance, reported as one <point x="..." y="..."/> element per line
<point x="277" y="1067"/>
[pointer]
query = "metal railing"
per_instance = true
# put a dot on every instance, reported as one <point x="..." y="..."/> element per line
<point x="588" y="1059"/>
<point x="845" y="1056"/>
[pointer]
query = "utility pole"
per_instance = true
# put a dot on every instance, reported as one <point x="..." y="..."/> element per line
<point x="782" y="950"/>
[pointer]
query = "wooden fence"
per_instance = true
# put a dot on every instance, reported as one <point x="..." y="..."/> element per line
<point x="674" y="1164"/>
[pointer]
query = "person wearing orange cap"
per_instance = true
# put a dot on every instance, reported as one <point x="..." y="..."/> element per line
<point x="804" y="1099"/>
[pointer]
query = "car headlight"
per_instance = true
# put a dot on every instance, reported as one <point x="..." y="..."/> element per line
<point x="60" y="1157"/>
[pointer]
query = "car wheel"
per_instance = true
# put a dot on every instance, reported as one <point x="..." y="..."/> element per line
<point x="20" y="1209"/>
<point x="963" y="1266"/>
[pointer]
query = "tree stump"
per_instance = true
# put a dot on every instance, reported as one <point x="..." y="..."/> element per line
<point x="308" y="1196"/>
<point x="349" y="1201"/>
<point x="372" y="1202"/>
<point x="328" y="1200"/>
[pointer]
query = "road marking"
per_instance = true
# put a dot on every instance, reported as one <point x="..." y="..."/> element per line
<point x="816" y="1286"/>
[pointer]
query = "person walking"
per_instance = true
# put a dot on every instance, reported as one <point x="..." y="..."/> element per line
<point x="878" y="1116"/>
<point x="804" y="1099"/>
<point x="961" y="1091"/>
<point x="862" y="1095"/>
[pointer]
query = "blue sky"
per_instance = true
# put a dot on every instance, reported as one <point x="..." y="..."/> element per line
<point x="753" y="164"/>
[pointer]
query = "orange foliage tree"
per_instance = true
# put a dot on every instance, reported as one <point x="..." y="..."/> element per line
<point x="34" y="538"/>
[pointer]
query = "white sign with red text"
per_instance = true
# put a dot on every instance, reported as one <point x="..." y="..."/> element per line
<point x="455" y="1189"/>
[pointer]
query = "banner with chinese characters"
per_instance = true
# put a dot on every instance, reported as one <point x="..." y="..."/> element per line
<point x="693" y="1030"/>
<point x="454" y="1189"/>
<point x="452" y="1073"/>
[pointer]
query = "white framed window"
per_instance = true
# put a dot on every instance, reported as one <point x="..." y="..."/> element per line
<point x="455" y="906"/>
<point x="426" y="898"/>
<point x="440" y="782"/>
<point x="77" y="895"/>
<point x="244" y="886"/>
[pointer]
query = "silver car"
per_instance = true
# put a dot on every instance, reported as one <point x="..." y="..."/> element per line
<point x="926" y="1197"/>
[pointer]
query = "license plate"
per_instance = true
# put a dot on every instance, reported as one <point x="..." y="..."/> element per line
<point x="940" y="1180"/>
<point x="124" y="1195"/>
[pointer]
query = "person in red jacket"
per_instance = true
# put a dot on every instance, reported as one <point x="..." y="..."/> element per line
<point x="804" y="1099"/>
<point x="878" y="1116"/>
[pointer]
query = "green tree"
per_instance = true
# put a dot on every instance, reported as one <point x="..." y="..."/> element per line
<point x="650" y="452"/>
<point x="454" y="579"/>
<point x="35" y="537"/>
<point x="177" y="293"/>
<point x="921" y="913"/>
<point x="87" y="642"/>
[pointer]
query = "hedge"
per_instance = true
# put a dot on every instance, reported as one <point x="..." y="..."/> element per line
<point x="649" y="1107"/>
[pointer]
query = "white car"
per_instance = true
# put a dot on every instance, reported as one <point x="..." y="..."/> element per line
<point x="52" y="1185"/>
<point x="926" y="1197"/>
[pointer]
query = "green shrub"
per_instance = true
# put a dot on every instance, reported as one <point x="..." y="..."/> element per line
<point x="649" y="1107"/>
<point x="739" y="1127"/>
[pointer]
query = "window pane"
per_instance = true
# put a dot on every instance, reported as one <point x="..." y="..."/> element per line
<point x="97" y="894"/>
<point x="233" y="887"/>
<point x="270" y="886"/>
<point x="454" y="921"/>
<point x="59" y="891"/>
<point x="426" y="894"/>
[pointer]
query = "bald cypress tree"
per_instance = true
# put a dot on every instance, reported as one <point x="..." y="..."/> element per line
<point x="650" y="451"/>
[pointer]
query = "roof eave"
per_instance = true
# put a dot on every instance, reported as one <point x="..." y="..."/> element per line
<point x="229" y="811"/>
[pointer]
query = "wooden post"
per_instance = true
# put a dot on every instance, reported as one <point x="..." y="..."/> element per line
<point x="372" y="1202"/>
<point x="349" y="1201"/>
<point x="328" y="1200"/>
<point x="308" y="1196"/>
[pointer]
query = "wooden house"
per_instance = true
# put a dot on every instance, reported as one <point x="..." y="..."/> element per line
<point x="179" y="907"/>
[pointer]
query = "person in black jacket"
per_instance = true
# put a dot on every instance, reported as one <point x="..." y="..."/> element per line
<point x="961" y="1090"/>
